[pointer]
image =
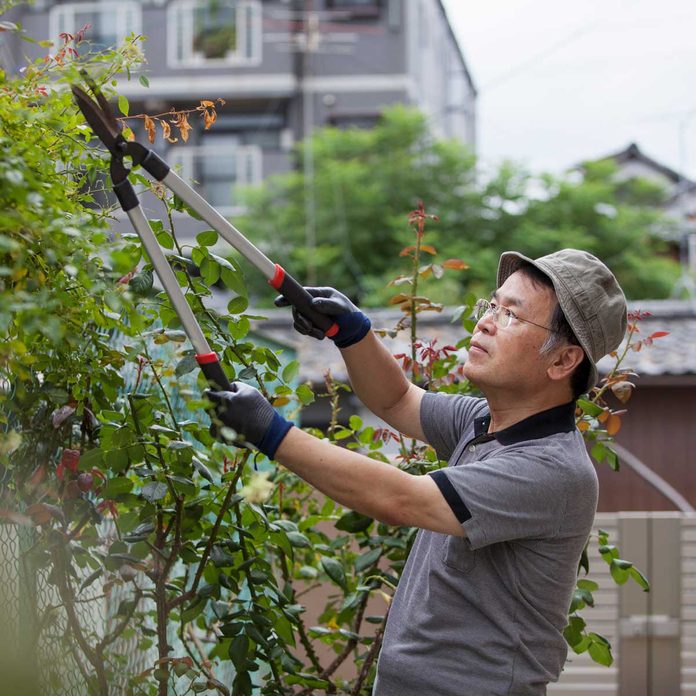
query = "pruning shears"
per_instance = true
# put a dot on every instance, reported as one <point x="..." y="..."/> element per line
<point x="103" y="123"/>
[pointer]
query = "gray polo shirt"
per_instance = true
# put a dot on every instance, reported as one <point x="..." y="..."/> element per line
<point x="483" y="615"/>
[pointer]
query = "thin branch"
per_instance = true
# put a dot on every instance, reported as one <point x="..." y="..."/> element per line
<point x="253" y="595"/>
<point x="176" y="545"/>
<point x="213" y="534"/>
<point x="347" y="649"/>
<point x="301" y="629"/>
<point x="164" y="393"/>
<point x="67" y="594"/>
<point x="121" y="627"/>
<point x="205" y="664"/>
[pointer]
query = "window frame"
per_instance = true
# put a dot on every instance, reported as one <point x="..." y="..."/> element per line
<point x="250" y="43"/>
<point x="69" y="9"/>
<point x="183" y="160"/>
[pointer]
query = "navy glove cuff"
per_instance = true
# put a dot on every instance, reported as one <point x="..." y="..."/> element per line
<point x="352" y="327"/>
<point x="274" y="435"/>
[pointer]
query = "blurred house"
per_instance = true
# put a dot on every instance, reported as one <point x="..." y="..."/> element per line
<point x="283" y="67"/>
<point x="678" y="202"/>
<point x="680" y="192"/>
<point x="657" y="439"/>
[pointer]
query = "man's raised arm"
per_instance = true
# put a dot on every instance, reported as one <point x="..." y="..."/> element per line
<point x="374" y="374"/>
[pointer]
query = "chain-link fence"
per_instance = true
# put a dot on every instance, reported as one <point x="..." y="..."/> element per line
<point x="38" y="650"/>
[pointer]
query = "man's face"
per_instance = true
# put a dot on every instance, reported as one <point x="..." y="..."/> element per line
<point x="508" y="358"/>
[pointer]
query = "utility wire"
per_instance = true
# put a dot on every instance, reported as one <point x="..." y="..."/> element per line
<point x="539" y="56"/>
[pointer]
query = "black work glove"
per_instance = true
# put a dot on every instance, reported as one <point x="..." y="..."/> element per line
<point x="246" y="411"/>
<point x="353" y="325"/>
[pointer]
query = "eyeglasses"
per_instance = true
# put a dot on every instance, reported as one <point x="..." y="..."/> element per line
<point x="502" y="316"/>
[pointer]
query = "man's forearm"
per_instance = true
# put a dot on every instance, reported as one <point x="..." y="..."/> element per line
<point x="371" y="487"/>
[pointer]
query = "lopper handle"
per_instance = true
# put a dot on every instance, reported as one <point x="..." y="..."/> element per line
<point x="212" y="369"/>
<point x="292" y="291"/>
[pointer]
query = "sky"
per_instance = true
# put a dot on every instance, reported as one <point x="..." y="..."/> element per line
<point x="560" y="82"/>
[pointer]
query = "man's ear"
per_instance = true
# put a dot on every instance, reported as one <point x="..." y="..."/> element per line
<point x="565" y="361"/>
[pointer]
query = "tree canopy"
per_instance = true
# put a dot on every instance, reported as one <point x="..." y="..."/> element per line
<point x="364" y="180"/>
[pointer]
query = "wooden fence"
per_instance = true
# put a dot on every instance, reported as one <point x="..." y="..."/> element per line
<point x="653" y="634"/>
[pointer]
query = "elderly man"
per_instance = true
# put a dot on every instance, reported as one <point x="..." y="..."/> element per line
<point x="483" y="599"/>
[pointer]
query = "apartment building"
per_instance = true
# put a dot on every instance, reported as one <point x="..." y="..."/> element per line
<point x="283" y="67"/>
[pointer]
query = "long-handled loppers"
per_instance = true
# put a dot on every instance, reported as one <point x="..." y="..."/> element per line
<point x="99" y="116"/>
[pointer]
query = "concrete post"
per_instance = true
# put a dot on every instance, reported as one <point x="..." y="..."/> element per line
<point x="634" y="532"/>
<point x="649" y="651"/>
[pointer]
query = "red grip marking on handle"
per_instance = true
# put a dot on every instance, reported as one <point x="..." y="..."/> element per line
<point x="277" y="280"/>
<point x="331" y="331"/>
<point x="206" y="358"/>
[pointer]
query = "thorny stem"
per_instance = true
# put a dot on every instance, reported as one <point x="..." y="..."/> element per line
<point x="351" y="643"/>
<point x="218" y="520"/>
<point x="348" y="648"/>
<point x="160" y="592"/>
<point x="185" y="642"/>
<point x="176" y="545"/>
<point x="371" y="655"/>
<point x="253" y="595"/>
<point x="419" y="222"/>
<point x="171" y="112"/>
<point x="176" y="601"/>
<point x="204" y="664"/>
<point x="332" y="393"/>
<point x="304" y="639"/>
<point x="414" y="293"/>
<point x="78" y="661"/>
<point x="122" y="625"/>
<point x="52" y="607"/>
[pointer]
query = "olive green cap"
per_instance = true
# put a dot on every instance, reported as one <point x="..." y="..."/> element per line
<point x="589" y="295"/>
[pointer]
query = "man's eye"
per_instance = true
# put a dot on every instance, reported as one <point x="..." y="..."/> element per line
<point x="508" y="313"/>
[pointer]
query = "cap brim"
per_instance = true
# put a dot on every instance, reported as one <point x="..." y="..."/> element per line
<point x="510" y="261"/>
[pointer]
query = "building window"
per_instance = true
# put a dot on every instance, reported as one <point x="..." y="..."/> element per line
<point x="346" y="121"/>
<point x="216" y="170"/>
<point x="355" y="8"/>
<point x="207" y="32"/>
<point x="353" y="3"/>
<point x="109" y="22"/>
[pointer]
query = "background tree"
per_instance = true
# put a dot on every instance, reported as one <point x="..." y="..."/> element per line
<point x="365" y="179"/>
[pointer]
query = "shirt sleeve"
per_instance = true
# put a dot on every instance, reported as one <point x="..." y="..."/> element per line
<point x="511" y="496"/>
<point x="445" y="418"/>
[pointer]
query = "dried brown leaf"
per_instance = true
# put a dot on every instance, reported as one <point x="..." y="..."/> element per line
<point x="150" y="128"/>
<point x="623" y="390"/>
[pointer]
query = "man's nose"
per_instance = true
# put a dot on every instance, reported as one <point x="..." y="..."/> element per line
<point x="486" y="324"/>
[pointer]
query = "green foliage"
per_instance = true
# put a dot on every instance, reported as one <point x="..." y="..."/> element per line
<point x="365" y="179"/>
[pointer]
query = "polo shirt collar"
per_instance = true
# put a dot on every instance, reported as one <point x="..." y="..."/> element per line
<point x="559" y="419"/>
